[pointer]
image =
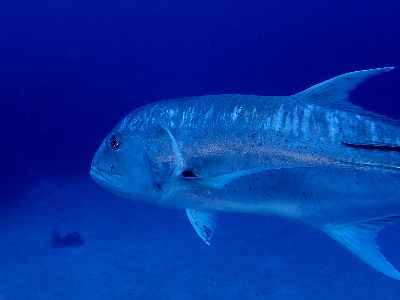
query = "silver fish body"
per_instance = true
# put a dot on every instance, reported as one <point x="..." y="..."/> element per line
<point x="313" y="158"/>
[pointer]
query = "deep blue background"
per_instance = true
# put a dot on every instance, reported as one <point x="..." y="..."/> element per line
<point x="69" y="70"/>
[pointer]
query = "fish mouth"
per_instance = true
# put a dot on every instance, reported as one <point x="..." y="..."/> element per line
<point x="100" y="176"/>
<point x="112" y="182"/>
<point x="95" y="173"/>
<point x="104" y="178"/>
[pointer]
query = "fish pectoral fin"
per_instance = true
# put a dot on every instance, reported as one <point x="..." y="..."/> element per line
<point x="360" y="240"/>
<point x="203" y="223"/>
<point x="219" y="181"/>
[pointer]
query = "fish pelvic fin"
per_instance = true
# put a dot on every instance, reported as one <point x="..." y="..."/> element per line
<point x="334" y="93"/>
<point x="203" y="222"/>
<point x="360" y="240"/>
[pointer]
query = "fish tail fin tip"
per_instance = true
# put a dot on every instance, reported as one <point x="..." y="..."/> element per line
<point x="360" y="240"/>
<point x="334" y="92"/>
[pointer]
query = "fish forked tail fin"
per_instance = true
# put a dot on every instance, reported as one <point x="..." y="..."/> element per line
<point x="360" y="240"/>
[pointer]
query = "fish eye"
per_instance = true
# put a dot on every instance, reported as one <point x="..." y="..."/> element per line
<point x="115" y="142"/>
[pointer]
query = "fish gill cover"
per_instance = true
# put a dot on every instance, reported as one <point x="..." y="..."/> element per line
<point x="69" y="70"/>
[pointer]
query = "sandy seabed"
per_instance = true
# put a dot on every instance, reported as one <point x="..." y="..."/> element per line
<point x="136" y="251"/>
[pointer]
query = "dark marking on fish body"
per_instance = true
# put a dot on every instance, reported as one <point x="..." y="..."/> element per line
<point x="373" y="147"/>
<point x="305" y="196"/>
<point x="188" y="174"/>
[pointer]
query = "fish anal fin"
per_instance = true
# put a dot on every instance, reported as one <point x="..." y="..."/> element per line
<point x="360" y="240"/>
<point x="203" y="223"/>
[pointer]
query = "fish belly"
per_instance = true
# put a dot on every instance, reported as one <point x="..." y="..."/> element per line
<point x="315" y="196"/>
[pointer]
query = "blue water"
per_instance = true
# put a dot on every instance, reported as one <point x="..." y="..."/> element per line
<point x="69" y="70"/>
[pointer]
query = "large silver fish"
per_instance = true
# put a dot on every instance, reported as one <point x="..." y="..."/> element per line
<point x="312" y="158"/>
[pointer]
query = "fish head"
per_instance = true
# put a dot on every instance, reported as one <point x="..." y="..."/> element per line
<point x="134" y="164"/>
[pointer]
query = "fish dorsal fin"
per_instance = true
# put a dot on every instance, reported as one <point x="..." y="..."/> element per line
<point x="360" y="240"/>
<point x="334" y="93"/>
<point x="203" y="223"/>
